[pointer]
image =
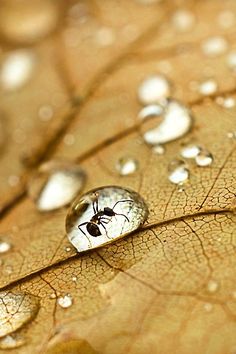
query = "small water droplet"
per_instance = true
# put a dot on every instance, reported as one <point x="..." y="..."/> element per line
<point x="67" y="249"/>
<point x="12" y="341"/>
<point x="53" y="296"/>
<point x="231" y="60"/>
<point x="212" y="286"/>
<point x="204" y="158"/>
<point x="228" y="102"/>
<point x="208" y="87"/>
<point x="5" y="246"/>
<point x="17" y="69"/>
<point x="126" y="166"/>
<point x="178" y="172"/>
<point x="231" y="135"/>
<point x="190" y="151"/>
<point x="214" y="46"/>
<point x="55" y="184"/>
<point x="158" y="149"/>
<point x="208" y="307"/>
<point x="130" y="212"/>
<point x="154" y="89"/>
<point x="69" y="139"/>
<point x="226" y="19"/>
<point x="74" y="279"/>
<point x="65" y="301"/>
<point x="176" y="121"/>
<point x="45" y="113"/>
<point x="105" y="36"/>
<point x="16" y="309"/>
<point x="13" y="180"/>
<point x="183" y="20"/>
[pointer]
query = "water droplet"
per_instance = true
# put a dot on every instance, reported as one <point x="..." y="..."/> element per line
<point x="28" y="21"/>
<point x="130" y="213"/>
<point x="105" y="36"/>
<point x="65" y="301"/>
<point x="212" y="286"/>
<point x="55" y="184"/>
<point x="208" y="87"/>
<point x="67" y="249"/>
<point x="154" y="89"/>
<point x="16" y="309"/>
<point x="228" y="102"/>
<point x="183" y="20"/>
<point x="45" y="113"/>
<point x="74" y="279"/>
<point x="158" y="149"/>
<point x="214" y="46"/>
<point x="208" y="307"/>
<point x="12" y="341"/>
<point x="5" y="246"/>
<point x="226" y="19"/>
<point x="126" y="166"/>
<point x="176" y="122"/>
<point x="190" y="151"/>
<point x="204" y="158"/>
<point x="17" y="69"/>
<point x="231" y="135"/>
<point x="231" y="60"/>
<point x="178" y="172"/>
<point x="69" y="139"/>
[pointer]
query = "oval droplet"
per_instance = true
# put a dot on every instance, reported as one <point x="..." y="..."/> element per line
<point x="55" y="184"/>
<point x="176" y="122"/>
<point x="183" y="20"/>
<point x="17" y="69"/>
<point x="126" y="166"/>
<point x="204" y="158"/>
<point x="104" y="215"/>
<point x="154" y="89"/>
<point x="178" y="172"/>
<point x="12" y="341"/>
<point x="16" y="309"/>
<point x="214" y="46"/>
<point x="158" y="149"/>
<point x="208" y="87"/>
<point x="190" y="151"/>
<point x="5" y="246"/>
<point x="65" y="301"/>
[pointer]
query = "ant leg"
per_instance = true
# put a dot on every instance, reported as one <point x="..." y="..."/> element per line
<point x="123" y="215"/>
<point x="105" y="230"/>
<point x="79" y="227"/>
<point x="122" y="201"/>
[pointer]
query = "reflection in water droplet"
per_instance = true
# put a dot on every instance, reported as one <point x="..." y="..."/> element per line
<point x="176" y="122"/>
<point x="154" y="89"/>
<point x="231" y="60"/>
<point x="212" y="286"/>
<point x="17" y="69"/>
<point x="178" y="172"/>
<point x="126" y="166"/>
<point x="16" y="309"/>
<point x="65" y="301"/>
<point x="208" y="87"/>
<point x="5" y="246"/>
<point x="55" y="184"/>
<point x="183" y="20"/>
<point x="12" y="341"/>
<point x="28" y="21"/>
<point x="204" y="158"/>
<point x="214" y="46"/>
<point x="158" y="149"/>
<point x="124" y="212"/>
<point x="190" y="151"/>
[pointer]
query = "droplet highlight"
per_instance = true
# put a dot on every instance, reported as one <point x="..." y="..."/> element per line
<point x="55" y="184"/>
<point x="154" y="89"/>
<point x="126" y="166"/>
<point x="104" y="215"/>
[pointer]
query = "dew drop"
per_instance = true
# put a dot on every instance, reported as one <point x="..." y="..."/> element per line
<point x="126" y="166"/>
<point x="208" y="87"/>
<point x="183" y="20"/>
<point x="212" y="286"/>
<point x="45" y="113"/>
<point x="12" y="341"/>
<point x="176" y="121"/>
<point x="105" y="36"/>
<point x="123" y="201"/>
<point x="204" y="158"/>
<point x="208" y="307"/>
<point x="228" y="102"/>
<point x="226" y="19"/>
<point x="5" y="246"/>
<point x="65" y="301"/>
<point x="154" y="89"/>
<point x="231" y="60"/>
<point x="16" y="309"/>
<point x="55" y="184"/>
<point x="158" y="149"/>
<point x="214" y="46"/>
<point x="178" y="172"/>
<point x="17" y="69"/>
<point x="190" y="151"/>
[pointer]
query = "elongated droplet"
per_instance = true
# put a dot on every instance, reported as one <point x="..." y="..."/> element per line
<point x="126" y="166"/>
<point x="190" y="151"/>
<point x="178" y="172"/>
<point x="176" y="121"/>
<point x="154" y="89"/>
<point x="55" y="184"/>
<point x="104" y="215"/>
<point x="16" y="309"/>
<point x="17" y="69"/>
<point x="204" y="158"/>
<point x="12" y="341"/>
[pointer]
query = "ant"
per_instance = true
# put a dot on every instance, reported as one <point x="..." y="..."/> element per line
<point x="101" y="217"/>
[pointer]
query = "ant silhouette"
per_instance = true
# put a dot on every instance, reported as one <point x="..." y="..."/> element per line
<point x="101" y="218"/>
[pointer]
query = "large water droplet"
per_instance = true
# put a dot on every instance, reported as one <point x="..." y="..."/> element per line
<point x="104" y="215"/>
<point x="214" y="46"/>
<point x="12" y="341"/>
<point x="55" y="184"/>
<point x="178" y="172"/>
<point x="16" y="309"/>
<point x="65" y="301"/>
<point x="17" y="69"/>
<point x="28" y="21"/>
<point x="154" y="89"/>
<point x="190" y="151"/>
<point x="126" y="166"/>
<point x="204" y="158"/>
<point x="176" y="122"/>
